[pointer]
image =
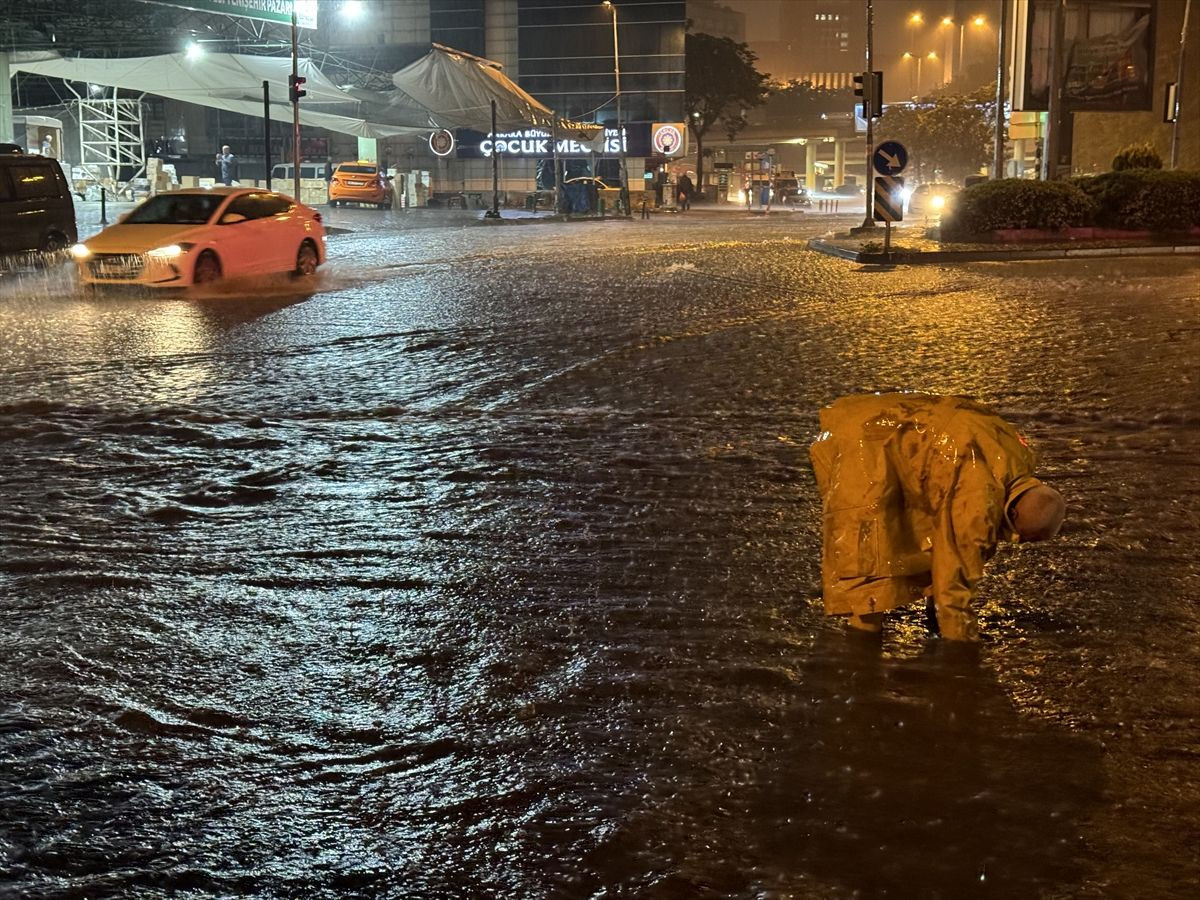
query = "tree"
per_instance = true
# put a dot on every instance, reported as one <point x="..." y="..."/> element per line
<point x="947" y="135"/>
<point x="802" y="103"/>
<point x="722" y="84"/>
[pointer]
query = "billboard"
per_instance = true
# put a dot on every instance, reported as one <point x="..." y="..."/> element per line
<point x="261" y="10"/>
<point x="1108" y="55"/>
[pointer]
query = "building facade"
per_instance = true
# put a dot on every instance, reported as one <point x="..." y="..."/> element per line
<point x="713" y="17"/>
<point x="561" y="51"/>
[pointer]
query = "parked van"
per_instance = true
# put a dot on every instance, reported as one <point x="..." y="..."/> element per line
<point x="37" y="214"/>
<point x="283" y="171"/>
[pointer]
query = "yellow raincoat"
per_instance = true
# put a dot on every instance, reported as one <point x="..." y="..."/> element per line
<point x="916" y="490"/>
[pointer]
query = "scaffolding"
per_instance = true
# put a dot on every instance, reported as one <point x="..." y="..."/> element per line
<point x="110" y="140"/>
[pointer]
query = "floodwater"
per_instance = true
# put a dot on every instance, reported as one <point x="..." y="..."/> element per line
<point x="489" y="567"/>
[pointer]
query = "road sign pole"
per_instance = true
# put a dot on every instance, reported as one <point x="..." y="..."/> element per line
<point x="887" y="238"/>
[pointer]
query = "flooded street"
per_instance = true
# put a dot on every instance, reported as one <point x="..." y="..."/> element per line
<point x="489" y="566"/>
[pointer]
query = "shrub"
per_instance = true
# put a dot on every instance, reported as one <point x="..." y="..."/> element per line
<point x="1144" y="199"/>
<point x="1137" y="156"/>
<point x="1016" y="203"/>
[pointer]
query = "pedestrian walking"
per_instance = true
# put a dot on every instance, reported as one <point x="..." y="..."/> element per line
<point x="917" y="492"/>
<point x="226" y="165"/>
<point x="684" y="188"/>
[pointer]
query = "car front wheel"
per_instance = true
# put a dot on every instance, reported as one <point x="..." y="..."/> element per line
<point x="306" y="260"/>
<point x="208" y="268"/>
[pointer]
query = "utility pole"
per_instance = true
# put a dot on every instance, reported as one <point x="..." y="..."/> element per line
<point x="494" y="212"/>
<point x="1179" y="88"/>
<point x="296" y="93"/>
<point x="267" y="130"/>
<point x="1054" y="103"/>
<point x="869" y="182"/>
<point x="620" y="119"/>
<point x="1001" y="52"/>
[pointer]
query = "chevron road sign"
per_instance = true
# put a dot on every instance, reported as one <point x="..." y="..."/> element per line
<point x="889" y="201"/>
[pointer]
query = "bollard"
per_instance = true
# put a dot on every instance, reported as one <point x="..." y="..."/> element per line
<point x="103" y="216"/>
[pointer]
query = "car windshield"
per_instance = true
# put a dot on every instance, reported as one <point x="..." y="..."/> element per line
<point x="176" y="209"/>
<point x="357" y="170"/>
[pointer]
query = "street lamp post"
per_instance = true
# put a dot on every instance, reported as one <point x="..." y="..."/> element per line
<point x="913" y="21"/>
<point x="978" y="22"/>
<point x="609" y="5"/>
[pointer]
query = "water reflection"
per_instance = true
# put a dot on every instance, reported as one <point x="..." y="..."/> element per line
<point x="916" y="777"/>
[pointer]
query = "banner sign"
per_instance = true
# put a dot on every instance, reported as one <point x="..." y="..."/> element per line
<point x="535" y="143"/>
<point x="259" y="10"/>
<point x="1108" y="55"/>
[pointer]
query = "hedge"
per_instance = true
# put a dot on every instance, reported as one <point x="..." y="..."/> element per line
<point x="1137" y="156"/>
<point x="1144" y="199"/>
<point x="1017" y="203"/>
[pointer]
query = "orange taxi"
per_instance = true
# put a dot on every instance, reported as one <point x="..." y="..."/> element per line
<point x="360" y="182"/>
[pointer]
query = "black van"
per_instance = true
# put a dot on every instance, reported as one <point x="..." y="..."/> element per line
<point x="37" y="213"/>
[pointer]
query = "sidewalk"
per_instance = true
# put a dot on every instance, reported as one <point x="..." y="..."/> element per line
<point x="87" y="215"/>
<point x="912" y="246"/>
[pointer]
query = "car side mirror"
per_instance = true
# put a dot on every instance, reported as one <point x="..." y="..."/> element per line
<point x="232" y="218"/>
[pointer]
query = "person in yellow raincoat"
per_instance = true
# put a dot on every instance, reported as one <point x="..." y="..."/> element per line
<point x="917" y="491"/>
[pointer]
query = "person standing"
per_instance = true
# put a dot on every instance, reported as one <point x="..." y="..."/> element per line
<point x="226" y="166"/>
<point x="917" y="491"/>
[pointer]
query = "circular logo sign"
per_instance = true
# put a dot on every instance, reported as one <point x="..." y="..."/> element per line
<point x="442" y="142"/>
<point x="667" y="140"/>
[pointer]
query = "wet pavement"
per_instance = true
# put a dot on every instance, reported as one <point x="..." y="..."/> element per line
<point x="487" y="565"/>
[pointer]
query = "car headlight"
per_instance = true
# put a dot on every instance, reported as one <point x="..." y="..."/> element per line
<point x="170" y="251"/>
<point x="80" y="251"/>
<point x="937" y="202"/>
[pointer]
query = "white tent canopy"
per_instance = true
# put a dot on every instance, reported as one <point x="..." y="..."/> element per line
<point x="444" y="89"/>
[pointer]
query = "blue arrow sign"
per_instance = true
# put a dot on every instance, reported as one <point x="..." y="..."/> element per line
<point x="889" y="158"/>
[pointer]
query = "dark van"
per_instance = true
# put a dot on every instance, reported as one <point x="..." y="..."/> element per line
<point x="37" y="213"/>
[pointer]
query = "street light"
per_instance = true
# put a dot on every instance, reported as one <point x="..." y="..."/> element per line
<point x="913" y="21"/>
<point x="978" y="22"/>
<point x="612" y="7"/>
<point x="930" y="55"/>
<point x="353" y="9"/>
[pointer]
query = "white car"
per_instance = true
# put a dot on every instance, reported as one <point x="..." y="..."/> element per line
<point x="932" y="198"/>
<point x="198" y="236"/>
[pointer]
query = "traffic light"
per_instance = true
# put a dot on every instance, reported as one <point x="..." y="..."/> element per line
<point x="860" y="90"/>
<point x="295" y="87"/>
<point x="869" y="86"/>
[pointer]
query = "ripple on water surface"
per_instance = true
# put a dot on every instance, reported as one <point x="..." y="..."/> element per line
<point x="495" y="575"/>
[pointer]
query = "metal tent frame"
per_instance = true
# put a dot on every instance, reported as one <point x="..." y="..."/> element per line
<point x="110" y="139"/>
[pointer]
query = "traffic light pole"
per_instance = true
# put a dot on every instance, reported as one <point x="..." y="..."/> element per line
<point x="868" y="108"/>
<point x="295" y="108"/>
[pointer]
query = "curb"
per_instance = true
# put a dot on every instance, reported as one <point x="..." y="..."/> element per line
<point x="914" y="258"/>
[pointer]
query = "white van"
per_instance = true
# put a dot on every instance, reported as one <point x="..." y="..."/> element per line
<point x="283" y="171"/>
